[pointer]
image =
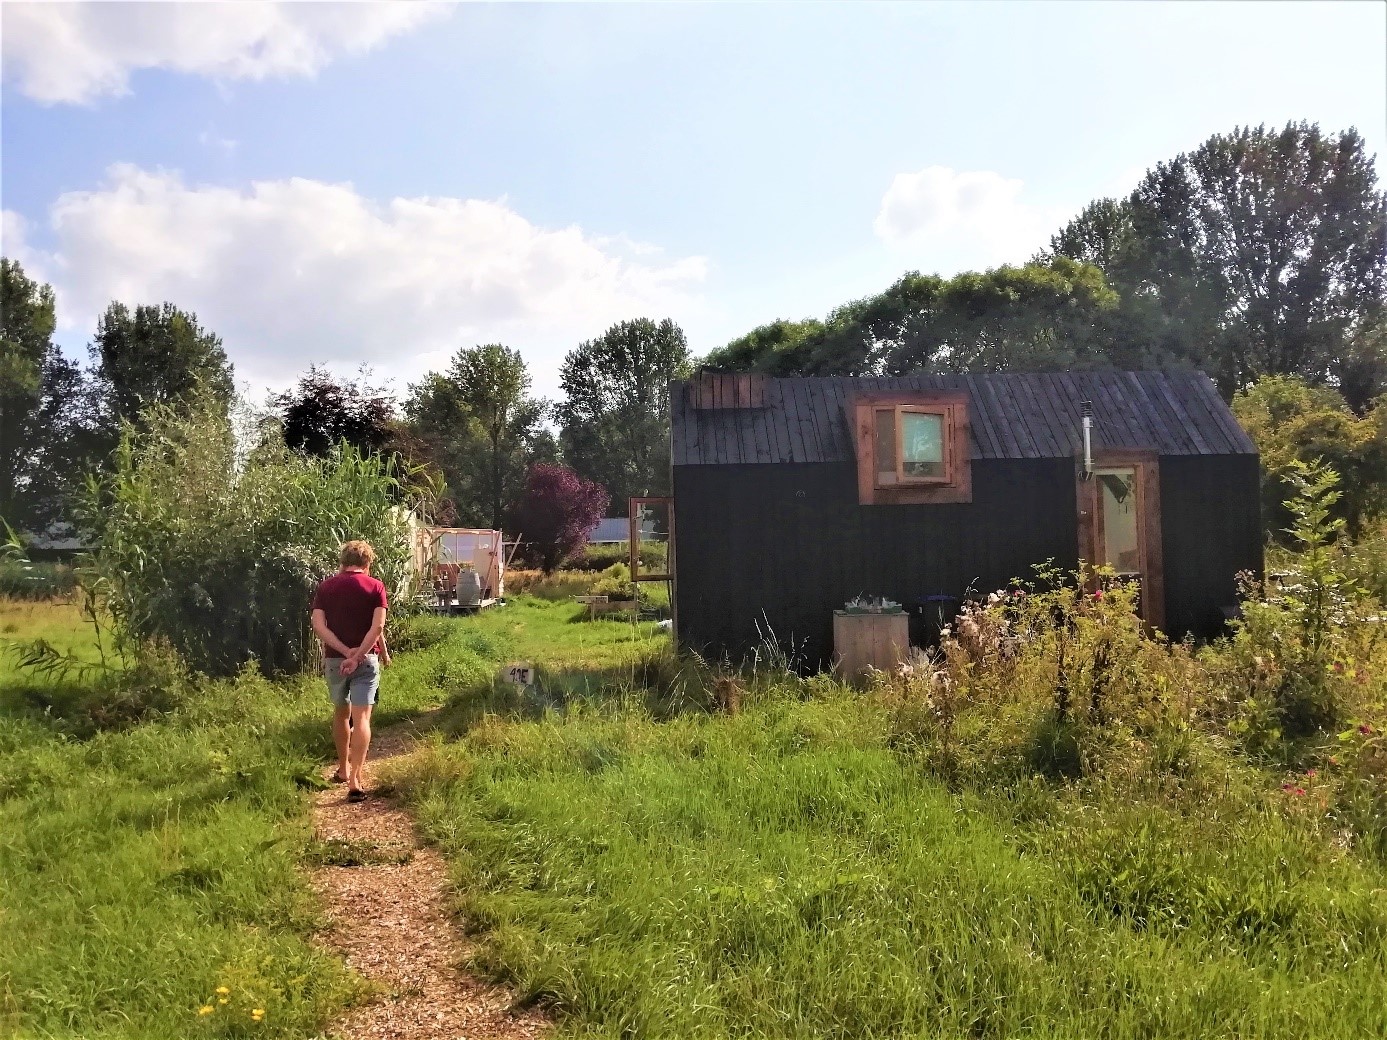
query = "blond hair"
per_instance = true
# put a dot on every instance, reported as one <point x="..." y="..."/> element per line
<point x="357" y="554"/>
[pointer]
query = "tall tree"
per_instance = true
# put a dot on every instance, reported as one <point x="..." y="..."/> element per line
<point x="1264" y="252"/>
<point x="42" y="404"/>
<point x="614" y="419"/>
<point x="1045" y="315"/>
<point x="481" y="429"/>
<point x="322" y="411"/>
<point x="156" y="355"/>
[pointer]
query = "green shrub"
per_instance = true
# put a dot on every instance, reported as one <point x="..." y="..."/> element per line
<point x="615" y="583"/>
<point x="217" y="555"/>
<point x="26" y="579"/>
<point x="653" y="556"/>
<point x="418" y="632"/>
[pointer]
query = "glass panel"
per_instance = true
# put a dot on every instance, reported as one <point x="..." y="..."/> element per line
<point x="922" y="455"/>
<point x="886" y="446"/>
<point x="1120" y="549"/>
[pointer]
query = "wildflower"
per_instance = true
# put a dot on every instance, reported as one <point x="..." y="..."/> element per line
<point x="1300" y="790"/>
<point x="221" y="1000"/>
<point x="1098" y="594"/>
<point x="257" y="1014"/>
<point x="222" y="991"/>
<point x="1366" y="730"/>
<point x="1339" y="667"/>
<point x="1287" y="788"/>
<point x="1333" y="760"/>
<point x="206" y="1009"/>
<point x="1310" y="774"/>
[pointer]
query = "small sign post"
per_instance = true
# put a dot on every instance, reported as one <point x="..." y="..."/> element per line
<point x="519" y="674"/>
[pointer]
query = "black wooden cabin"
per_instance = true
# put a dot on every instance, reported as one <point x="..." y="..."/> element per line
<point x="792" y="496"/>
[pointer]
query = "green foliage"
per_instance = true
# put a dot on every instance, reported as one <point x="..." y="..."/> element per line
<point x="217" y="557"/>
<point x="1052" y="314"/>
<point x="615" y="583"/>
<point x="614" y="418"/>
<point x="1259" y="253"/>
<point x="477" y="424"/>
<point x="157" y="356"/>
<point x="44" y="425"/>
<point x="1294" y="424"/>
<point x="1289" y="665"/>
<point x="653" y="557"/>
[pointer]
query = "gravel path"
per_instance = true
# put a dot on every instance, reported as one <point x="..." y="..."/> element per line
<point x="389" y="920"/>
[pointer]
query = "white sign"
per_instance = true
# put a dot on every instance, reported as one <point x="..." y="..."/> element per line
<point x="520" y="674"/>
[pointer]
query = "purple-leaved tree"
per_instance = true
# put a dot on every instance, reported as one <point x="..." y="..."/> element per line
<point x="556" y="512"/>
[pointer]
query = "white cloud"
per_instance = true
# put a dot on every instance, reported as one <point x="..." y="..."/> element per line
<point x="295" y="271"/>
<point x="78" y="52"/>
<point x="949" y="219"/>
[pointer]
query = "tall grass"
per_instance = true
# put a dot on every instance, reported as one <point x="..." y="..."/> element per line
<point x="145" y="866"/>
<point x="216" y="555"/>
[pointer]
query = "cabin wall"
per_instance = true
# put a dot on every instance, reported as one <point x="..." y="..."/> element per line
<point x="1211" y="528"/>
<point x="785" y="545"/>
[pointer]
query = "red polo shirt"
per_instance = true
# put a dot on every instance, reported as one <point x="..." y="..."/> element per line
<point x="348" y="601"/>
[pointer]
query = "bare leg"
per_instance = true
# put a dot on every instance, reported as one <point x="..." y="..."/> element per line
<point x="341" y="729"/>
<point x="360" y="741"/>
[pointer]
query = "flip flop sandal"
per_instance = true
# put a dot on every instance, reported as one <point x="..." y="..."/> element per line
<point x="357" y="796"/>
<point x="338" y="778"/>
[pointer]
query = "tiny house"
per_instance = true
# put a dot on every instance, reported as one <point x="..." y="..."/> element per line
<point x="792" y="496"/>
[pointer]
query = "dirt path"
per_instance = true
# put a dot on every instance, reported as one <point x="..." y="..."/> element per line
<point x="389" y="920"/>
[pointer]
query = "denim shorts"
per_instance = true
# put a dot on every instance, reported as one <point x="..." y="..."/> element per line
<point x="359" y="688"/>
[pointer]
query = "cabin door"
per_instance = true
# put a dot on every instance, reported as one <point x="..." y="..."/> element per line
<point x="1120" y="525"/>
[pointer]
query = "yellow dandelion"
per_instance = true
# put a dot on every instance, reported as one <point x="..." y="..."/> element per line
<point x="221" y="1000"/>
<point x="257" y="1014"/>
<point x="222" y="991"/>
<point x="206" y="1009"/>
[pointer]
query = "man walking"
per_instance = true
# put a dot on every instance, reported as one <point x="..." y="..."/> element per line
<point x="349" y="618"/>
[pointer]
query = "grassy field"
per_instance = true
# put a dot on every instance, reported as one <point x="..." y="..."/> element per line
<point x="160" y="860"/>
<point x="803" y="866"/>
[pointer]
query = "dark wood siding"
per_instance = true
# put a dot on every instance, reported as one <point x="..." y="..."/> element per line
<point x="776" y="549"/>
<point x="1211" y="528"/>
<point x="768" y="550"/>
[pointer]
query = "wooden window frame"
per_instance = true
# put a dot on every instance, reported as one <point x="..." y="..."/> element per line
<point x="1148" y="471"/>
<point x="633" y="526"/>
<point x="957" y="483"/>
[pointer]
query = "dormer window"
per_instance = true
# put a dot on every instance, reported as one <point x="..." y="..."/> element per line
<point x="912" y="448"/>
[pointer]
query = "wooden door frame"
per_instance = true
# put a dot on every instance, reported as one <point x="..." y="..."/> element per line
<point x="1148" y="470"/>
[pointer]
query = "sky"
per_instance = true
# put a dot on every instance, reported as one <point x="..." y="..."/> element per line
<point x="382" y="184"/>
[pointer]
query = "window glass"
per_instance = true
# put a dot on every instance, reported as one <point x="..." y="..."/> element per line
<point x="1118" y="491"/>
<point x="922" y="453"/>
<point x="886" y="446"/>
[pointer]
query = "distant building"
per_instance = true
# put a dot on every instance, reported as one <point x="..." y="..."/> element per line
<point x="615" y="529"/>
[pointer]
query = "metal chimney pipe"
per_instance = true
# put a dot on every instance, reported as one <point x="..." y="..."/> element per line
<point x="1086" y="408"/>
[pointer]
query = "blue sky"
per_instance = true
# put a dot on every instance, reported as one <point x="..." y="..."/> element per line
<point x="363" y="184"/>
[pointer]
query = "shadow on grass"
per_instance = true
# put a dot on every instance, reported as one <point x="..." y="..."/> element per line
<point x="660" y="685"/>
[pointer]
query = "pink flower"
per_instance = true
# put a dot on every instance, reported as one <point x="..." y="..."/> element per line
<point x="1366" y="730"/>
<point x="1098" y="594"/>
<point x="1333" y="760"/>
<point x="1287" y="787"/>
<point x="1310" y="774"/>
<point x="1300" y="790"/>
<point x="1339" y="666"/>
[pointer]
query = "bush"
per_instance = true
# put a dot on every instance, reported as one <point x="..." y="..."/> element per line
<point x="555" y="514"/>
<point x="615" y="583"/>
<point x="600" y="557"/>
<point x="217" y="556"/>
<point x="25" y="579"/>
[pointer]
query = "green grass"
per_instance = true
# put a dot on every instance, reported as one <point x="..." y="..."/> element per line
<point x="157" y="861"/>
<point x="796" y="869"/>
<point x="784" y="873"/>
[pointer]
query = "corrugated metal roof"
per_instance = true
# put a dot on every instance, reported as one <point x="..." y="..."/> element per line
<point x="1012" y="415"/>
